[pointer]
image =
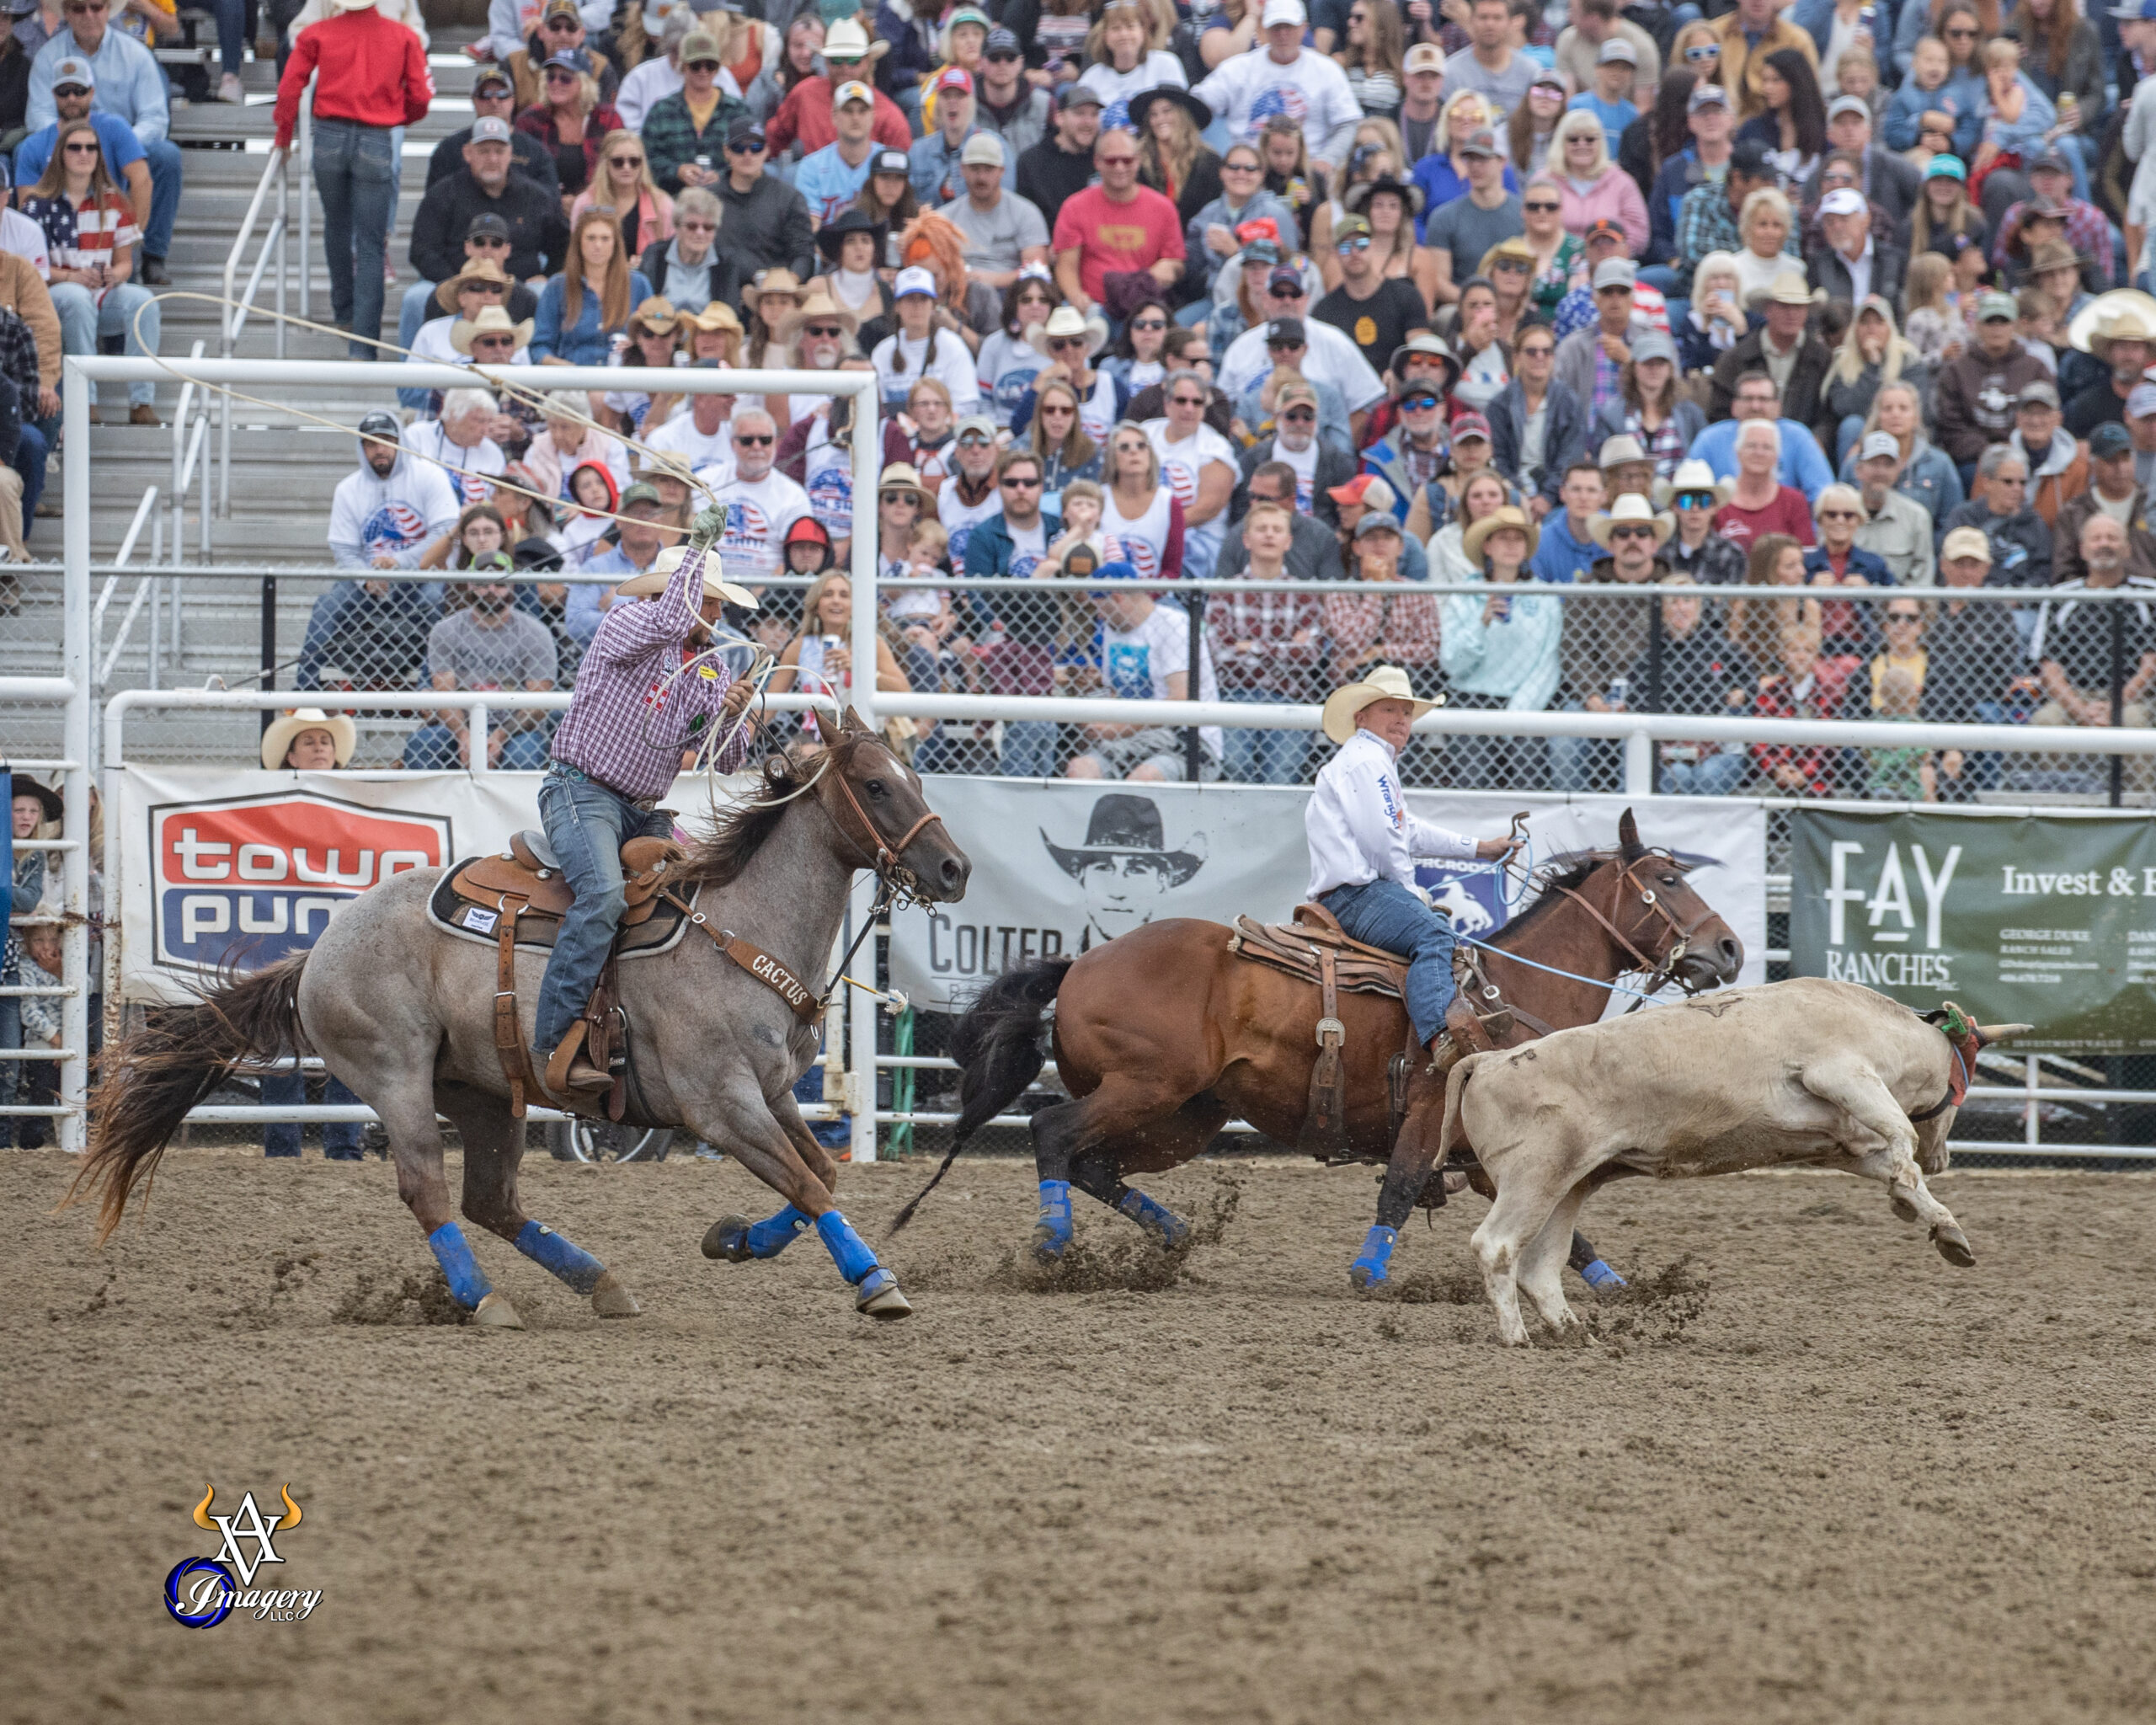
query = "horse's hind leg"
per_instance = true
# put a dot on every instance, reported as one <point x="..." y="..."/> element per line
<point x="735" y="1238"/>
<point x="493" y="1149"/>
<point x="1070" y="1133"/>
<point x="1099" y="1171"/>
<point x="407" y="1109"/>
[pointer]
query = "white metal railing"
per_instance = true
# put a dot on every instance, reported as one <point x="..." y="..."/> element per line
<point x="239" y="300"/>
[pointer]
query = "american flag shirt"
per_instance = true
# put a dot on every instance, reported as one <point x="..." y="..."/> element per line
<point x="635" y="709"/>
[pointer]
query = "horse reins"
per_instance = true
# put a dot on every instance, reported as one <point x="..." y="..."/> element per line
<point x="901" y="885"/>
<point x="1658" y="974"/>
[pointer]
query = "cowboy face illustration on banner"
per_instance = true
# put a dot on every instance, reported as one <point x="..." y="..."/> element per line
<point x="1124" y="867"/>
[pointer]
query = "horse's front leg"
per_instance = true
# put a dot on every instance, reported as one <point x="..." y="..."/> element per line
<point x="735" y="1238"/>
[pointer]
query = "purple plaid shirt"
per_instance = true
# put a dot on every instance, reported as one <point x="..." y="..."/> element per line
<point x="2087" y="231"/>
<point x="627" y="725"/>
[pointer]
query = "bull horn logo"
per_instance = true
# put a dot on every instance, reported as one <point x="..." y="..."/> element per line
<point x="202" y="1510"/>
<point x="291" y="1518"/>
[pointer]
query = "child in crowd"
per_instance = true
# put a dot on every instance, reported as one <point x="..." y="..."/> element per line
<point x="40" y="1081"/>
<point x="1857" y="74"/>
<point x="1899" y="775"/>
<point x="1610" y="99"/>
<point x="1934" y="327"/>
<point x="2041" y="332"/>
<point x="1921" y="93"/>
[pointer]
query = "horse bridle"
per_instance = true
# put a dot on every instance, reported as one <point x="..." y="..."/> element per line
<point x="901" y="884"/>
<point x="1659" y="973"/>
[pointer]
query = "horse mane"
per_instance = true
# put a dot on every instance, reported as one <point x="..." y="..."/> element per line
<point x="718" y="854"/>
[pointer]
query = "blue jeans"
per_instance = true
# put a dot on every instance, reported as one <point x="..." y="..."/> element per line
<point x="354" y="172"/>
<point x="29" y="462"/>
<point x="231" y="35"/>
<point x="1661" y="275"/>
<point x="165" y="177"/>
<point x="587" y="825"/>
<point x="433" y="748"/>
<point x="83" y="320"/>
<point x="1715" y="776"/>
<point x="1028" y="748"/>
<point x="1255" y="757"/>
<point x="1201" y="551"/>
<point x="1383" y="913"/>
<point x="418" y="607"/>
<point x="340" y="1139"/>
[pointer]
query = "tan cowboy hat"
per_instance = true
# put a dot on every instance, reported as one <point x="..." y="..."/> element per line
<point x="2124" y="314"/>
<point x="278" y="739"/>
<point x="667" y="464"/>
<point x="1620" y="450"/>
<point x="783" y="282"/>
<point x="715" y="315"/>
<point x="657" y="315"/>
<point x="2052" y="254"/>
<point x="903" y="476"/>
<point x="654" y="579"/>
<point x="1693" y="475"/>
<point x="1788" y="289"/>
<point x="1067" y="320"/>
<point x="491" y="318"/>
<point x="818" y="304"/>
<point x="1476" y="536"/>
<point x="1381" y="682"/>
<point x="1632" y="510"/>
<point x="478" y="269"/>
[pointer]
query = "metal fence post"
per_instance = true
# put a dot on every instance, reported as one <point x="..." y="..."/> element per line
<point x="1193" y="743"/>
<point x="75" y="815"/>
<point x="1654" y="687"/>
<point x="861" y="1007"/>
<point x="2118" y="697"/>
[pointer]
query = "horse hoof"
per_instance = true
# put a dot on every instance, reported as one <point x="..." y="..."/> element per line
<point x="1367" y="1276"/>
<point x="1599" y="1276"/>
<point x="1904" y="1211"/>
<point x="611" y="1299"/>
<point x="1953" y="1246"/>
<point x="495" y="1312"/>
<point x="726" y="1240"/>
<point x="879" y="1297"/>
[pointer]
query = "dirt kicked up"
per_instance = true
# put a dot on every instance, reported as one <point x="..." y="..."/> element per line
<point x="1809" y="1471"/>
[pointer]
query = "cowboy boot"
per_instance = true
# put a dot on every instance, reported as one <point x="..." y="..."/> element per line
<point x="570" y="1075"/>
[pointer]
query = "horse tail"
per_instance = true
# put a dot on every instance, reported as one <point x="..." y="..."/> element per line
<point x="998" y="1046"/>
<point x="154" y="1078"/>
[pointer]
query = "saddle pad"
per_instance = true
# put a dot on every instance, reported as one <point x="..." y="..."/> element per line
<point x="1288" y="947"/>
<point x="659" y="930"/>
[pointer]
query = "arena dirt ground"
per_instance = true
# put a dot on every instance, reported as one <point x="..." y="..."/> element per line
<point x="1816" y="1474"/>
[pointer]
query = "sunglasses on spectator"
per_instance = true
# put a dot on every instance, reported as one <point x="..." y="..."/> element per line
<point x="1903" y="617"/>
<point x="752" y="148"/>
<point x="1703" y="50"/>
<point x="492" y="343"/>
<point x="1541" y="208"/>
<point x="1002" y="54"/>
<point x="1145" y="322"/>
<point x="1299" y="416"/>
<point x="1187" y="401"/>
<point x="1541" y="350"/>
<point x="701" y="66"/>
<point x="625" y="161"/>
<point x="88" y="149"/>
<point x="487" y="242"/>
<point x="824" y="331"/>
<point x="1417" y="404"/>
<point x="690" y="224"/>
<point x="1694" y="499"/>
<point x="892" y="500"/>
<point x="1286" y="347"/>
<point x="561" y="75"/>
<point x="1059" y="409"/>
<point x="1358" y="242"/>
<point x="975" y="439"/>
<point x="1840" y="515"/>
<point x="1020" y="482"/>
<point x="1631" y="532"/>
<point x="1240" y="168"/>
<point x="751" y="440"/>
<point x="1069" y="344"/>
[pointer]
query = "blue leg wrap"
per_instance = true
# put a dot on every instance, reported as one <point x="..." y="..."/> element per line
<point x="1368" y="1270"/>
<point x="848" y="1250"/>
<point x="1602" y="1279"/>
<point x="774" y="1234"/>
<point x="549" y="1250"/>
<point x="1155" y="1218"/>
<point x="1052" y="1226"/>
<point x="467" y="1281"/>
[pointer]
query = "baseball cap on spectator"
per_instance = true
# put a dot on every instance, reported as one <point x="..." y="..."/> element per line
<point x="486" y="225"/>
<point x="568" y="61"/>
<point x="1614" y="272"/>
<point x="491" y="563"/>
<point x="1078" y="96"/>
<point x="912" y="281"/>
<point x="1349" y="227"/>
<point x="1706" y="96"/>
<point x="1748" y="156"/>
<point x="1286" y="278"/>
<point x="1654" y="345"/>
<point x="2050" y="162"/>
<point x="491" y="129"/>
<point x="562" y="9"/>
<point x="1002" y="44"/>
<point x="642" y="492"/>
<point x="1943" y="166"/>
<point x="1283" y="12"/>
<point x="1849" y="104"/>
<point x="853" y="90"/>
<point x="2037" y="394"/>
<point x="955" y="77"/>
<point x="1286" y="331"/>
<point x="1606" y="229"/>
<point x="1549" y="79"/>
<point x="1424" y="56"/>
<point x="1880" y="443"/>
<point x="2141" y="403"/>
<point x="1966" y="541"/>
<point x="1617" y="49"/>
<point x="1484" y="143"/>
<point x="383" y="424"/>
<point x="746" y="135"/>
<point x="1469" y="426"/>
<point x="887" y="161"/>
<point x="488" y="74"/>
<point x="74" y="71"/>
<point x="2135" y="10"/>
<point x="700" y="45"/>
<point x="2108" y="440"/>
<point x="1991" y="308"/>
<point x="1366" y="489"/>
<point x="1300" y="390"/>
<point x="975" y="422"/>
<point x="1843" y="200"/>
<point x="1378" y="521"/>
<point x="984" y="149"/>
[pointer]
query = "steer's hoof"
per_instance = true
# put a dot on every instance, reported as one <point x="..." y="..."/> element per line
<point x="1953" y="1246"/>
<point x="495" y="1312"/>
<point x="726" y="1240"/>
<point x="610" y="1299"/>
<point x="878" y="1296"/>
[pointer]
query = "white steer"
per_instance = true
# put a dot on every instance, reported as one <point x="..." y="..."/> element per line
<point x="1801" y="1072"/>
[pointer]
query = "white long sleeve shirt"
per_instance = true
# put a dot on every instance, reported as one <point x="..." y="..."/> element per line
<point x="1359" y="826"/>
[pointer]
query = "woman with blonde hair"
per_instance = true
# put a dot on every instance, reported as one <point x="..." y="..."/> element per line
<point x="1127" y="54"/>
<point x="570" y="120"/>
<point x="1698" y="48"/>
<point x="1508" y="267"/>
<point x="1769" y="230"/>
<point x="1944" y="210"/>
<point x="1443" y="173"/>
<point x="1542" y="214"/>
<point x="1139" y="510"/>
<point x="1714" y="320"/>
<point x="626" y="187"/>
<point x="586" y="306"/>
<point x="1591" y="188"/>
<point x="1533" y="124"/>
<point x="1872" y="353"/>
<point x="1924" y="471"/>
<point x="1373" y="56"/>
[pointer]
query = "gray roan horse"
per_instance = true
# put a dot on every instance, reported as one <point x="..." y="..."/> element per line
<point x="403" y="1014"/>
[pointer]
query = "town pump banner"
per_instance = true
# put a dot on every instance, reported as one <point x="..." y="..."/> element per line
<point x="1061" y="867"/>
<point x="2048" y="921"/>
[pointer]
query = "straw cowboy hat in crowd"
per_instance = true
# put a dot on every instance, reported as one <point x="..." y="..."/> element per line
<point x="819" y="308"/>
<point x="1788" y="288"/>
<point x="277" y="740"/>
<point x="782" y="283"/>
<point x="2124" y="314"/>
<point x="1632" y="510"/>
<point x="1499" y="521"/>
<point x="1693" y="475"/>
<point x="484" y="269"/>
<point x="1381" y="682"/>
<point x="1067" y="321"/>
<point x="715" y="315"/>
<point x="655" y="316"/>
<point x="491" y="319"/>
<point x="654" y="579"/>
<point x="903" y="476"/>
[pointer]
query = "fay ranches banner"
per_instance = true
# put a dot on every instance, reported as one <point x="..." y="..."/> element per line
<point x="2047" y="920"/>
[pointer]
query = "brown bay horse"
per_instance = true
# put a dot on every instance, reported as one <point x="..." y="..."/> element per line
<point x="1163" y="1034"/>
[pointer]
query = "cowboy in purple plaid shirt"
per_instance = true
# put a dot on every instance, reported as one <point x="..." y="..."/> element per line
<point x="638" y="707"/>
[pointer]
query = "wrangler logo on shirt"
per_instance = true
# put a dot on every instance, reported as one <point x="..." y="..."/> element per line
<point x="1393" y="811"/>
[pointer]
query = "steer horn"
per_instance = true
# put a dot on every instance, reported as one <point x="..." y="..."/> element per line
<point x="1988" y="1033"/>
<point x="202" y="1510"/>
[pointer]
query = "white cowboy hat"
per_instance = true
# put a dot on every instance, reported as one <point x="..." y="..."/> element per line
<point x="1632" y="510"/>
<point x="491" y="320"/>
<point x="1381" y="682"/>
<point x="1498" y="520"/>
<point x="277" y="740"/>
<point x="2124" y="314"/>
<point x="654" y="579"/>
<point x="1620" y="450"/>
<point x="1693" y="475"/>
<point x="1788" y="289"/>
<point x="1066" y="320"/>
<point x="847" y="40"/>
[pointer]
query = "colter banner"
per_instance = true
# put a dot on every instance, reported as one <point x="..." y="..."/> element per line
<point x="2048" y="921"/>
<point x="1061" y="867"/>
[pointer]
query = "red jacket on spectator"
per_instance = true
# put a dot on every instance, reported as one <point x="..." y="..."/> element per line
<point x="1830" y="676"/>
<point x="371" y="71"/>
<point x="805" y="118"/>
